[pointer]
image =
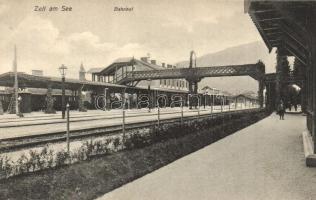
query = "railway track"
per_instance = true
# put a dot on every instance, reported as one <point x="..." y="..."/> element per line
<point x="57" y="120"/>
<point x="16" y="143"/>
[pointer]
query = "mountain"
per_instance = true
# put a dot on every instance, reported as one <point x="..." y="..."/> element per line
<point x="242" y="54"/>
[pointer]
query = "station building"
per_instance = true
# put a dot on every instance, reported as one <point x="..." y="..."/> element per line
<point x="118" y="70"/>
<point x="36" y="90"/>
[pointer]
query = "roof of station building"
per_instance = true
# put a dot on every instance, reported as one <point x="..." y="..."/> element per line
<point x="35" y="84"/>
<point x="247" y="96"/>
<point x="125" y="61"/>
<point x="28" y="80"/>
<point x="95" y="70"/>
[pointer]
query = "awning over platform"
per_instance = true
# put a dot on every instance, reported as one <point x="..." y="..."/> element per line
<point x="282" y="23"/>
<point x="32" y="81"/>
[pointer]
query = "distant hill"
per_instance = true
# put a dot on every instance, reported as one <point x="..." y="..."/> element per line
<point x="242" y="54"/>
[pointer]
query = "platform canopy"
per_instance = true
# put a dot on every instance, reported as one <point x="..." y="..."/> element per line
<point x="282" y="24"/>
<point x="290" y="26"/>
<point x="32" y="81"/>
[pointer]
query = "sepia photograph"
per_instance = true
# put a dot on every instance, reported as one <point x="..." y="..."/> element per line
<point x="157" y="100"/>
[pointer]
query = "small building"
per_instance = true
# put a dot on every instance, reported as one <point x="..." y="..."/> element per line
<point x="244" y="101"/>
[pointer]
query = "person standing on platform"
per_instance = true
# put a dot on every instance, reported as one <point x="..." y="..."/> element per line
<point x="281" y="110"/>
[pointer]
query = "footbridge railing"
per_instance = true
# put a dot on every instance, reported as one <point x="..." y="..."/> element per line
<point x="255" y="71"/>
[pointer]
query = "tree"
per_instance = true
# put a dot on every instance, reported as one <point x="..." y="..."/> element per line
<point x="282" y="74"/>
<point x="299" y="69"/>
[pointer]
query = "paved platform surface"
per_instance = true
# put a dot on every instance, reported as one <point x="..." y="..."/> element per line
<point x="262" y="161"/>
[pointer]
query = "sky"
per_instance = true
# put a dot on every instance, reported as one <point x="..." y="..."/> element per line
<point x="94" y="34"/>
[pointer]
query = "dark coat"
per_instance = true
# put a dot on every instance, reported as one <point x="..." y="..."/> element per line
<point x="281" y="108"/>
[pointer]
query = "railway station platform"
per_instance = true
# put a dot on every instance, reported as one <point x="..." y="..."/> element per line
<point x="263" y="161"/>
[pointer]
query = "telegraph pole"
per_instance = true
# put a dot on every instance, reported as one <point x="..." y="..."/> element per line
<point x="16" y="87"/>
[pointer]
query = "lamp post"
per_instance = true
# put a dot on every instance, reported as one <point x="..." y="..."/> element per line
<point x="181" y="114"/>
<point x="62" y="70"/>
<point x="123" y="115"/>
<point x="129" y="101"/>
<point x="20" y="114"/>
<point x="205" y="98"/>
<point x="213" y="100"/>
<point x="199" y="104"/>
<point x="105" y="99"/>
<point x="189" y="101"/>
<point x="222" y="102"/>
<point x="158" y="114"/>
<point x="149" y="96"/>
<point x="68" y="141"/>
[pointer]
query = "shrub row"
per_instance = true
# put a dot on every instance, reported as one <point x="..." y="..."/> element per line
<point x="47" y="158"/>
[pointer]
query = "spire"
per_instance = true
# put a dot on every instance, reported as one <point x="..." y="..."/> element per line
<point x="82" y="68"/>
<point x="82" y="73"/>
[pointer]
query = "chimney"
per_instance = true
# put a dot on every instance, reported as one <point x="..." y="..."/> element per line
<point x="82" y="73"/>
<point x="145" y="59"/>
<point x="163" y="65"/>
<point x="153" y="62"/>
